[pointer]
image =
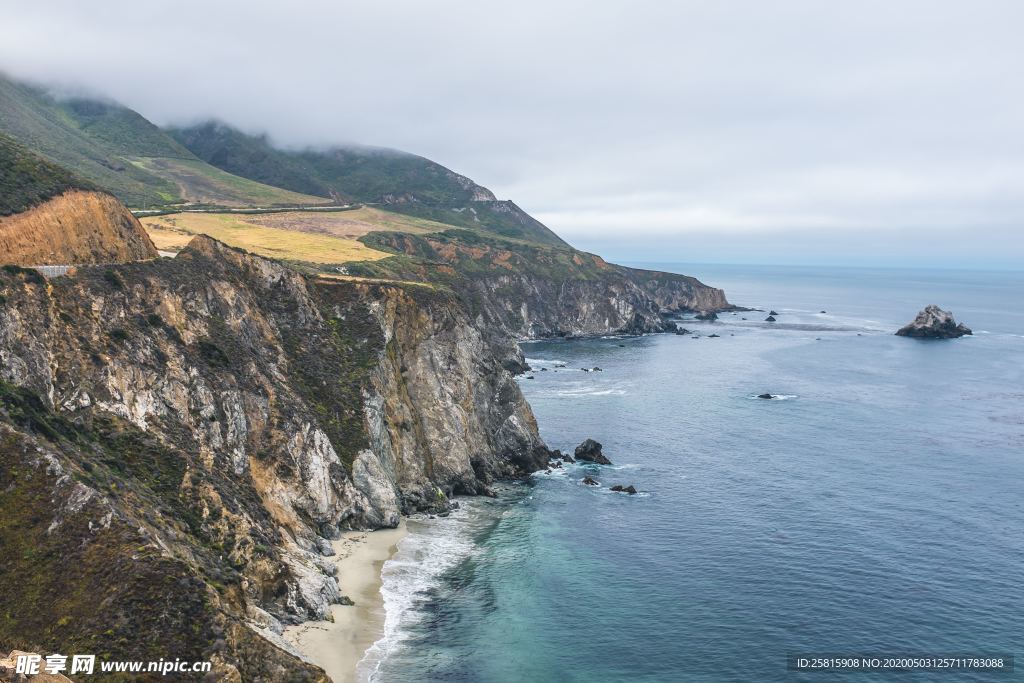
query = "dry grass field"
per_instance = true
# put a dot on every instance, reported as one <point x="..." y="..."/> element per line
<point x="174" y="231"/>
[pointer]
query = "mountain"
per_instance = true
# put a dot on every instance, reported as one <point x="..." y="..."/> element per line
<point x="118" y="150"/>
<point x="181" y="438"/>
<point x="50" y="216"/>
<point x="399" y="181"/>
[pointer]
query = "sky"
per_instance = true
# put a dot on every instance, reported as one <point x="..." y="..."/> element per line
<point x="734" y="131"/>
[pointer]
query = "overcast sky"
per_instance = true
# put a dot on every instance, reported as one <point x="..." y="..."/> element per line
<point x="761" y="131"/>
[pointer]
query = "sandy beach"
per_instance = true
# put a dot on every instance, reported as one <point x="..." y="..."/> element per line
<point x="338" y="646"/>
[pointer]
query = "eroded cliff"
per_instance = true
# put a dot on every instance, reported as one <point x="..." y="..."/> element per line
<point x="75" y="227"/>
<point x="180" y="438"/>
<point x="528" y="291"/>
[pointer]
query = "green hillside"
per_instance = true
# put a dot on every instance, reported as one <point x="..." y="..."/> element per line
<point x="402" y="182"/>
<point x="27" y="179"/>
<point x="120" y="151"/>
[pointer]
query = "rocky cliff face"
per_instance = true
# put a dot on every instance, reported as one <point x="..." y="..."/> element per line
<point x="529" y="291"/>
<point x="179" y="439"/>
<point x="626" y="301"/>
<point x="75" y="227"/>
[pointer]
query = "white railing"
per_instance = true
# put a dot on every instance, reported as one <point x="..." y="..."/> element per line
<point x="52" y="271"/>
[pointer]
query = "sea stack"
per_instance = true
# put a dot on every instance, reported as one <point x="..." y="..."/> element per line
<point x="934" y="323"/>
<point x="590" y="451"/>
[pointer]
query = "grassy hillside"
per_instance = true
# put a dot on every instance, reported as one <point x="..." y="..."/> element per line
<point x="27" y="179"/>
<point x="403" y="182"/>
<point x="120" y="151"/>
<point x="315" y="240"/>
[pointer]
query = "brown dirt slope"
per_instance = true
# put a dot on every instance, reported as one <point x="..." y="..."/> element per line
<point x="76" y="227"/>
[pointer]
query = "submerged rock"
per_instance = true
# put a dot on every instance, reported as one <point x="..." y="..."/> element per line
<point x="934" y="323"/>
<point x="590" y="451"/>
<point x="765" y="396"/>
<point x="770" y="319"/>
<point x="772" y="313"/>
<point x="682" y="330"/>
<point x="590" y="481"/>
<point x="631" y="490"/>
<point x="713" y="336"/>
<point x="707" y="315"/>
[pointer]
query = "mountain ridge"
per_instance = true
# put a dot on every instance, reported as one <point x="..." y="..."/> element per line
<point x="107" y="144"/>
<point x="400" y="181"/>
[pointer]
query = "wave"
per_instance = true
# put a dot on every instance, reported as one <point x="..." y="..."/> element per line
<point x="544" y="361"/>
<point x="429" y="550"/>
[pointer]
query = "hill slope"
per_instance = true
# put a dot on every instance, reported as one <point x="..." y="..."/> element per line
<point x="49" y="216"/>
<point x="403" y="182"/>
<point x="27" y="179"/>
<point x="120" y="151"/>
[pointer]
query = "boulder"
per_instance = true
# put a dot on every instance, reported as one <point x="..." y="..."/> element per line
<point x="934" y="323"/>
<point x="682" y="330"/>
<point x="590" y="451"/>
<point x="765" y="396"/>
<point x="772" y="313"/>
<point x="589" y="481"/>
<point x="706" y="315"/>
<point x="597" y="369"/>
<point x="624" y="489"/>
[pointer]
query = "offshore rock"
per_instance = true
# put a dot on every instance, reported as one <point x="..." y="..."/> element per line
<point x="590" y="451"/>
<point x="934" y="323"/>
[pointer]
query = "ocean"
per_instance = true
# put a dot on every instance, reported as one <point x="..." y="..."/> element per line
<point x="876" y="508"/>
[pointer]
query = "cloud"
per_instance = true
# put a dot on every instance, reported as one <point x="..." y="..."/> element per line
<point x="743" y="118"/>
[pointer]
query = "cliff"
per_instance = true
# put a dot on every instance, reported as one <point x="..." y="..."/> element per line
<point x="526" y="291"/>
<point x="179" y="438"/>
<point x="75" y="227"/>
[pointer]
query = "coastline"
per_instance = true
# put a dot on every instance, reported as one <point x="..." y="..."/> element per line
<point x="338" y="646"/>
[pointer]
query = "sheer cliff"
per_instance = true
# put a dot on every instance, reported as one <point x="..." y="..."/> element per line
<point x="529" y="291"/>
<point x="179" y="438"/>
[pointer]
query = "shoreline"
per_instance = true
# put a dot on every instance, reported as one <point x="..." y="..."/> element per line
<point x="339" y="646"/>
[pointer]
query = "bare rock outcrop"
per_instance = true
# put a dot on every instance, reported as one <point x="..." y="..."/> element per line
<point x="934" y="323"/>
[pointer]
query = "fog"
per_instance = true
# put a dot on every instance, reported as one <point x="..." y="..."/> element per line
<point x="875" y="133"/>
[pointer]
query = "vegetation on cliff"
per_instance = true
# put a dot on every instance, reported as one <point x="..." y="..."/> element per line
<point x="403" y="182"/>
<point x="27" y="179"/>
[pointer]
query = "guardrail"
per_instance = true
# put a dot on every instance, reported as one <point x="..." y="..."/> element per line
<point x="52" y="271"/>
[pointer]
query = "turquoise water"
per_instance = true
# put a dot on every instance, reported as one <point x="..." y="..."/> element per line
<point x="878" y="508"/>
